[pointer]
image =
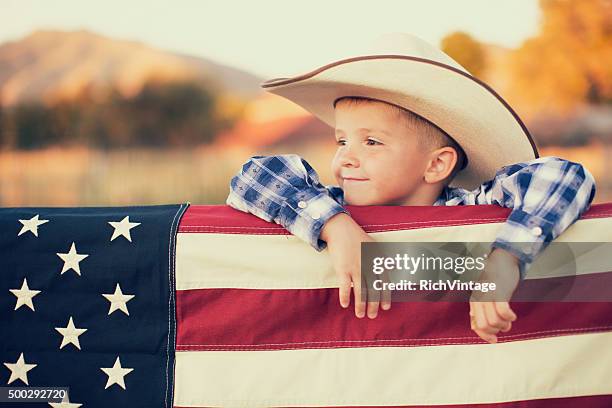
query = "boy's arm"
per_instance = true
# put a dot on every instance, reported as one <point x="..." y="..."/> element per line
<point x="286" y="190"/>
<point x="547" y="195"/>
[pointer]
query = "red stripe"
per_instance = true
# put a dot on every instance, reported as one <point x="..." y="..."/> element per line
<point x="593" y="287"/>
<point x="254" y="319"/>
<point x="227" y="220"/>
<point x="595" y="401"/>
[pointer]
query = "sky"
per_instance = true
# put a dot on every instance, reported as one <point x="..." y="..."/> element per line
<point x="273" y="38"/>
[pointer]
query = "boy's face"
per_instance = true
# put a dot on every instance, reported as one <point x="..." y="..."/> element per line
<point x="387" y="159"/>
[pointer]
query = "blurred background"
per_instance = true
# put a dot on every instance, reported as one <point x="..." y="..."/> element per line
<point x="110" y="103"/>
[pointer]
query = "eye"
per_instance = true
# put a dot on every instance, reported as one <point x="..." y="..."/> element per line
<point x="375" y="142"/>
<point x="340" y="142"/>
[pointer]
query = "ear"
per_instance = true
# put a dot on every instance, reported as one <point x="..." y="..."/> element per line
<point x="440" y="165"/>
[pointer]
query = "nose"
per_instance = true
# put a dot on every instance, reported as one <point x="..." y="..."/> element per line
<point x="348" y="157"/>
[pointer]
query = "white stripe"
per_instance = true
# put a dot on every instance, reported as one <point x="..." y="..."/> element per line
<point x="564" y="366"/>
<point x="252" y="261"/>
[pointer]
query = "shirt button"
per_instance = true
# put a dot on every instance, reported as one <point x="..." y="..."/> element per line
<point x="302" y="204"/>
<point x="537" y="231"/>
<point x="316" y="216"/>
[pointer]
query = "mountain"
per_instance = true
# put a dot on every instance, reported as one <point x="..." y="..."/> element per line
<point x="47" y="65"/>
<point x="270" y="121"/>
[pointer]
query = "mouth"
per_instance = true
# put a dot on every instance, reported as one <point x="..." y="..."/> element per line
<point x="354" y="179"/>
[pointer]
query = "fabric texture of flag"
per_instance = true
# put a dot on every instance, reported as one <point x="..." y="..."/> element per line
<point x="88" y="302"/>
<point x="260" y="325"/>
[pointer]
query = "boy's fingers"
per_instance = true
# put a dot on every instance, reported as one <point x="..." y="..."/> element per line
<point x="373" y="303"/>
<point x="475" y="315"/>
<point x="480" y="319"/>
<point x="359" y="303"/>
<point x="472" y="321"/>
<point x="489" y="338"/>
<point x="344" y="292"/>
<point x="504" y="310"/>
<point x="493" y="319"/>
<point x="373" y="309"/>
<point x="386" y="294"/>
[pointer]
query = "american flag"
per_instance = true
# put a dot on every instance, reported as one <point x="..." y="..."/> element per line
<point x="258" y="322"/>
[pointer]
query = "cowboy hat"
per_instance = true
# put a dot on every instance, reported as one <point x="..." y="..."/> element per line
<point x="403" y="70"/>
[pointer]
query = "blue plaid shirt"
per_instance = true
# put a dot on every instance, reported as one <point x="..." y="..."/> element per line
<point x="546" y="196"/>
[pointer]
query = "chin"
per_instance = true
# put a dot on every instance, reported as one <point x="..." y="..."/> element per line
<point x="359" y="201"/>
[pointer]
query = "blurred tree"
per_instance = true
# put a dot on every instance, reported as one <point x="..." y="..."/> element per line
<point x="33" y="126"/>
<point x="7" y="129"/>
<point x="466" y="50"/>
<point x="65" y="117"/>
<point x="569" y="63"/>
<point x="173" y="113"/>
<point x="161" y="114"/>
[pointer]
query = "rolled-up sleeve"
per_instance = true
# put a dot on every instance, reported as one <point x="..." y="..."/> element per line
<point x="546" y="195"/>
<point x="286" y="190"/>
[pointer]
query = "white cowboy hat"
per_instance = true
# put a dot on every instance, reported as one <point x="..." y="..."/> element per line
<point x="406" y="71"/>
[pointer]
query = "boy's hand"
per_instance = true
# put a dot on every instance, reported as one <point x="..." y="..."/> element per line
<point x="487" y="318"/>
<point x="344" y="237"/>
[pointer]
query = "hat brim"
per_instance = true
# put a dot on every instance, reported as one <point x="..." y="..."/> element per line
<point x="482" y="122"/>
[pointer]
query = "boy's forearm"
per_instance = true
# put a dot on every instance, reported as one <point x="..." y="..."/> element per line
<point x="335" y="226"/>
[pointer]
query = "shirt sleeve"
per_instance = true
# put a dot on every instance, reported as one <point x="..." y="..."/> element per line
<point x="285" y="189"/>
<point x="546" y="195"/>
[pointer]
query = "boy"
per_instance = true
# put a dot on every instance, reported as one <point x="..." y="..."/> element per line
<point x="402" y="139"/>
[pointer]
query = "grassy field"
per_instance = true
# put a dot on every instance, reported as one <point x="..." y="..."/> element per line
<point x="84" y="177"/>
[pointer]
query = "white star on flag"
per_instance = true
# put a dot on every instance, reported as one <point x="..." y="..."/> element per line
<point x="31" y="225"/>
<point x="118" y="300"/>
<point x="65" y="404"/>
<point x="123" y="227"/>
<point x="72" y="259"/>
<point x="116" y="374"/>
<point x="19" y="370"/>
<point x="71" y="334"/>
<point x="24" y="295"/>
